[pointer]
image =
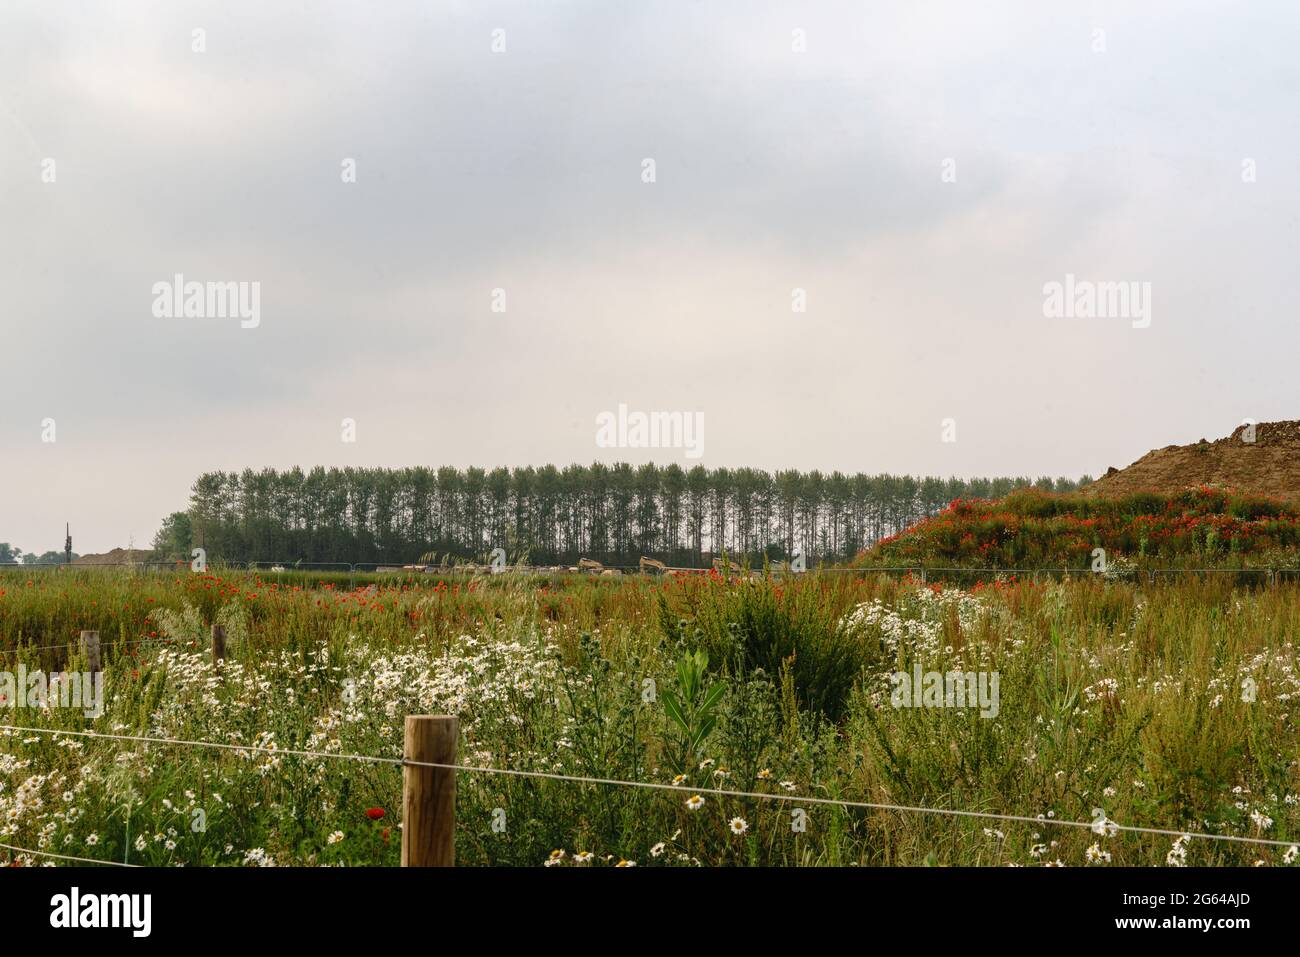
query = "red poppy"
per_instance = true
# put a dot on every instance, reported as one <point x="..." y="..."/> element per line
<point x="375" y="813"/>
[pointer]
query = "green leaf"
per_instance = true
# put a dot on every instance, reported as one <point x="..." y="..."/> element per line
<point x="674" y="710"/>
<point x="686" y="677"/>
<point x="713" y="697"/>
<point x="702" y="732"/>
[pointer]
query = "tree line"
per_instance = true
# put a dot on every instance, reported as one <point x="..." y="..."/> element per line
<point x="614" y="513"/>
<point x="12" y="554"/>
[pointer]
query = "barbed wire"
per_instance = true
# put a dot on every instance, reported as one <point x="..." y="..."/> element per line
<point x="1100" y="826"/>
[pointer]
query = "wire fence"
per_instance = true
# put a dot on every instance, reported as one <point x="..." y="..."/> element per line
<point x="924" y="573"/>
<point x="1100" y="825"/>
<point x="18" y="649"/>
<point x="65" y="857"/>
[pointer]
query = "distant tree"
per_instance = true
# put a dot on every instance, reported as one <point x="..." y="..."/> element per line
<point x="611" y="512"/>
<point x="9" y="553"/>
<point x="49" y="558"/>
<point x="175" y="537"/>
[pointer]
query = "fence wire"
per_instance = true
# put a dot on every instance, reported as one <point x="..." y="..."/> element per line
<point x="1105" y="826"/>
<point x="1100" y="826"/>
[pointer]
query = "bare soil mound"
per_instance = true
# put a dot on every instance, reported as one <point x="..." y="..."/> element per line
<point x="118" y="556"/>
<point x="1270" y="465"/>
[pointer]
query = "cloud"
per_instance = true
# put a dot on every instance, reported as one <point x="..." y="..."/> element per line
<point x="522" y="171"/>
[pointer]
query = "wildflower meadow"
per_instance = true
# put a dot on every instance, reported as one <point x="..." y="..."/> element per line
<point x="677" y="720"/>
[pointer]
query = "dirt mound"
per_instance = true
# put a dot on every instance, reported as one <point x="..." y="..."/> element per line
<point x="118" y="556"/>
<point x="1270" y="465"/>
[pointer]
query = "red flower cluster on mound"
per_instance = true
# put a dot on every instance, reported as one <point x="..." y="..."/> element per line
<point x="1033" y="528"/>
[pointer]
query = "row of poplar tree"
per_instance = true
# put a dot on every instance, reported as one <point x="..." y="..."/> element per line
<point x="614" y="513"/>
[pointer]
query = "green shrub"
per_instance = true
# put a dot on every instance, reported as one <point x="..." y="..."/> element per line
<point x="761" y="625"/>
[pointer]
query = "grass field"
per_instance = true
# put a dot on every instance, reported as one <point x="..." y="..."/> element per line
<point x="1166" y="706"/>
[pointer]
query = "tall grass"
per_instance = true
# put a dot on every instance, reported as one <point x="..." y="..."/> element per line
<point x="1112" y="696"/>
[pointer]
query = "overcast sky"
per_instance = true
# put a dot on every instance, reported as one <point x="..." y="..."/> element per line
<point x="921" y="170"/>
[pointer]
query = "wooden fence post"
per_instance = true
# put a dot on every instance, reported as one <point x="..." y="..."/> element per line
<point x="218" y="644"/>
<point x="91" y="640"/>
<point x="429" y="794"/>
